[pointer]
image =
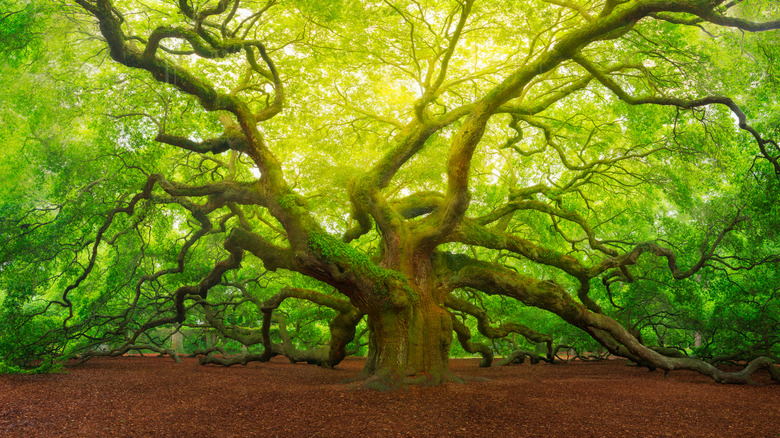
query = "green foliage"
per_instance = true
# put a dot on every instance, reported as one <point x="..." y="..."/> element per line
<point x="21" y="28"/>
<point x="77" y="144"/>
<point x="30" y="339"/>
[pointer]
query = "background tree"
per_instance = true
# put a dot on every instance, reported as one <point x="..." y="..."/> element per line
<point x="419" y="166"/>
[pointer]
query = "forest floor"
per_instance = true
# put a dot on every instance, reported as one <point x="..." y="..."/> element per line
<point x="154" y="396"/>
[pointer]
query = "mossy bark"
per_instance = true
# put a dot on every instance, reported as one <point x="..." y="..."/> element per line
<point x="408" y="345"/>
<point x="409" y="339"/>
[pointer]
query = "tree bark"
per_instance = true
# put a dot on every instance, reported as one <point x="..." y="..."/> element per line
<point x="177" y="342"/>
<point x="410" y="344"/>
<point x="409" y="338"/>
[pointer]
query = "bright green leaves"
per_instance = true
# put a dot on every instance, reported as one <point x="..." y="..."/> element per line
<point x="30" y="335"/>
<point x="22" y="25"/>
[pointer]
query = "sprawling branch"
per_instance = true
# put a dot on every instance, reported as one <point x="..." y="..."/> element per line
<point x="431" y="89"/>
<point x="468" y="137"/>
<point x="707" y="252"/>
<point x="503" y="330"/>
<point x="684" y="104"/>
<point x="273" y="257"/>
<point x="709" y="16"/>
<point x="464" y="337"/>
<point x="547" y="295"/>
<point x="342" y="327"/>
<point x="214" y="145"/>
<point x="125" y="52"/>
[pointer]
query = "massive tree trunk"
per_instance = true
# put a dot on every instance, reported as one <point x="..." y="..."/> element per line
<point x="410" y="344"/>
<point x="410" y="332"/>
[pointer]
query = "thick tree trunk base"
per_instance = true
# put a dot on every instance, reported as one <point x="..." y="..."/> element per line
<point x="408" y="345"/>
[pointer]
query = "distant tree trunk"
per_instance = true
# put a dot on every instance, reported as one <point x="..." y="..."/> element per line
<point x="210" y="340"/>
<point x="177" y="342"/>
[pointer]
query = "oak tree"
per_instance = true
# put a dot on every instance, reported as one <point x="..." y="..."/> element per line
<point x="413" y="164"/>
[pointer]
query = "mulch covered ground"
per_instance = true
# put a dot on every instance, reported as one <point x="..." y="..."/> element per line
<point x="154" y="396"/>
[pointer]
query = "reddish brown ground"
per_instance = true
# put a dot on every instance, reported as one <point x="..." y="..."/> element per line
<point x="152" y="396"/>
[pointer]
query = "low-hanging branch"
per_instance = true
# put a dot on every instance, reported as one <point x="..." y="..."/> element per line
<point x="550" y="296"/>
<point x="502" y="330"/>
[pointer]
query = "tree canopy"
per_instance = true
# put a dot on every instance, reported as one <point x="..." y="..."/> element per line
<point x="315" y="179"/>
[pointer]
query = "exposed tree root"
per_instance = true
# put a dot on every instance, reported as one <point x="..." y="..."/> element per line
<point x="121" y="351"/>
<point x="233" y="360"/>
<point x="518" y="357"/>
